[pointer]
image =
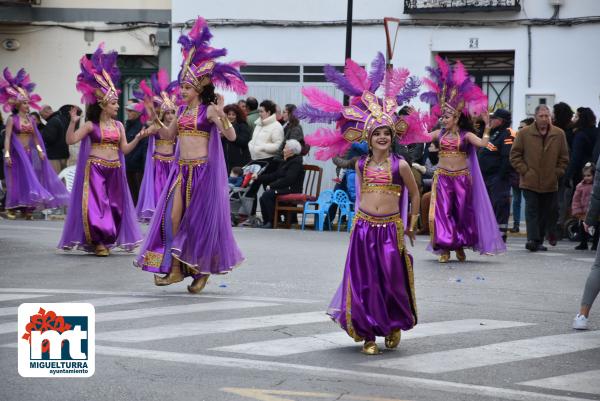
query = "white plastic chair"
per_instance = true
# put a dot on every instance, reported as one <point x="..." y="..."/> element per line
<point x="68" y="176"/>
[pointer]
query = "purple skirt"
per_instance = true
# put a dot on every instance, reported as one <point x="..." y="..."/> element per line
<point x="451" y="211"/>
<point x="103" y="199"/>
<point x="377" y="293"/>
<point x="162" y="165"/>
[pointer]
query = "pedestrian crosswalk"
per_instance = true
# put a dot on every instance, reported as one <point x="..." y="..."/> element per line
<point x="309" y="331"/>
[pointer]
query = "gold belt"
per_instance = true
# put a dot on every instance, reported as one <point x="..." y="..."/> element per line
<point x="457" y="173"/>
<point x="105" y="163"/>
<point x="452" y="153"/>
<point x="192" y="162"/>
<point x="202" y="134"/>
<point x="113" y="146"/>
<point x="379" y="221"/>
<point x="163" y="158"/>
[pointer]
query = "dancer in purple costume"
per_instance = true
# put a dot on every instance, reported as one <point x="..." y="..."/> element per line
<point x="160" y="156"/>
<point x="190" y="233"/>
<point x="101" y="215"/>
<point x="460" y="215"/>
<point x="31" y="182"/>
<point x="376" y="296"/>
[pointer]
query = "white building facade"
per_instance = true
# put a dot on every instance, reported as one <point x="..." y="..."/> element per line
<point x="522" y="52"/>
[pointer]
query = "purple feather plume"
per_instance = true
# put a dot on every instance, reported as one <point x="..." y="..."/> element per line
<point x="410" y="90"/>
<point x="335" y="77"/>
<point x="314" y="115"/>
<point x="377" y="72"/>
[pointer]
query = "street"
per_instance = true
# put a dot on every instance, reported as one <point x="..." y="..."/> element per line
<point x="493" y="328"/>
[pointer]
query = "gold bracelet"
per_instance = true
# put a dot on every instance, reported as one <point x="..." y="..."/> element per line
<point x="226" y="123"/>
<point x="39" y="148"/>
<point x="414" y="219"/>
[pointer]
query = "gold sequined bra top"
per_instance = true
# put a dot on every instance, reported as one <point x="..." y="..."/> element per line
<point x="108" y="137"/>
<point x="188" y="125"/>
<point x="452" y="145"/>
<point x="380" y="178"/>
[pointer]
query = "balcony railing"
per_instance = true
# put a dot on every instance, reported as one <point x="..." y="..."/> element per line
<point x="459" y="6"/>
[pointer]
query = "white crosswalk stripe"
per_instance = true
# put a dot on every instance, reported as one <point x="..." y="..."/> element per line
<point x="492" y="354"/>
<point x="212" y="327"/>
<point x="337" y="339"/>
<point x="97" y="302"/>
<point x="582" y="382"/>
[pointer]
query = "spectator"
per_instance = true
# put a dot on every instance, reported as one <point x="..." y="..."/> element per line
<point x="287" y="179"/>
<point x="38" y="120"/>
<point x="291" y="128"/>
<point x="427" y="170"/>
<point x="592" y="284"/>
<point x="579" y="207"/>
<point x="585" y="134"/>
<point x="236" y="177"/>
<point x="55" y="137"/>
<point x="135" y="160"/>
<point x="495" y="167"/>
<point x="252" y="105"/>
<point x="265" y="143"/>
<point x="46" y="112"/>
<point x="540" y="156"/>
<point x="562" y="118"/>
<point x="236" y="152"/>
<point x="243" y="106"/>
<point x="517" y="194"/>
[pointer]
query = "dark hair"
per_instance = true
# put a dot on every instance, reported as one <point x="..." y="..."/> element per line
<point x="404" y="111"/>
<point x="240" y="116"/>
<point x="92" y="113"/>
<point x="589" y="167"/>
<point x="208" y="95"/>
<point x="242" y="101"/>
<point x="292" y="119"/>
<point x="528" y="120"/>
<point x="36" y="115"/>
<point x="252" y="103"/>
<point x="269" y="106"/>
<point x="562" y="115"/>
<point x="466" y="124"/>
<point x="585" y="118"/>
<point x="237" y="170"/>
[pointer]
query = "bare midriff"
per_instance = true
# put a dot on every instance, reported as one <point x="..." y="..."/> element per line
<point x="193" y="147"/>
<point x="164" y="146"/>
<point x="378" y="194"/>
<point x="379" y="203"/>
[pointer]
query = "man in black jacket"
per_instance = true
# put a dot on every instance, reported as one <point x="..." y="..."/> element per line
<point x="55" y="137"/>
<point x="494" y="160"/>
<point x="287" y="179"/>
<point x="135" y="160"/>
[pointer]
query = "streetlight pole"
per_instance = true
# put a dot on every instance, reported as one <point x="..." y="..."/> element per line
<point x="348" y="40"/>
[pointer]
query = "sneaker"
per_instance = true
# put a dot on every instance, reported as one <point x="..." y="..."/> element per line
<point x="580" y="322"/>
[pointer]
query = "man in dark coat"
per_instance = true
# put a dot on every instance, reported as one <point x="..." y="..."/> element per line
<point x="55" y="137"/>
<point x="135" y="160"/>
<point x="494" y="161"/>
<point x="287" y="179"/>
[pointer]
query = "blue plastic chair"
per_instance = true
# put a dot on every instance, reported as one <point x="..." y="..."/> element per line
<point x="321" y="210"/>
<point x="345" y="207"/>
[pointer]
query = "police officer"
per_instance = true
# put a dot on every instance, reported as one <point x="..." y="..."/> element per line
<point x="495" y="166"/>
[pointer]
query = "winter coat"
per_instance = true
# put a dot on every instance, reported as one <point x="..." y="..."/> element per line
<point x="266" y="139"/>
<point x="251" y="119"/>
<point x="54" y="134"/>
<point x="540" y="159"/>
<point x="581" y="199"/>
<point x="582" y="149"/>
<point x="236" y="152"/>
<point x="288" y="178"/>
<point x="136" y="159"/>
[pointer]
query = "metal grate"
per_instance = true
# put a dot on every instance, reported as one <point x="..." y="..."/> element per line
<point x="453" y="6"/>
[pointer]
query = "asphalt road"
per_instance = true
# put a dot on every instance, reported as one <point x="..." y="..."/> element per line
<point x="489" y="329"/>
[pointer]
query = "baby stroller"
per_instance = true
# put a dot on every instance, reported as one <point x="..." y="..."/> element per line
<point x="239" y="200"/>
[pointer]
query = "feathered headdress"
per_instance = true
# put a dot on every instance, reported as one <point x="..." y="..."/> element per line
<point x="16" y="89"/>
<point x="96" y="82"/>
<point x="366" y="112"/>
<point x="199" y="66"/>
<point x="162" y="93"/>
<point x="452" y="89"/>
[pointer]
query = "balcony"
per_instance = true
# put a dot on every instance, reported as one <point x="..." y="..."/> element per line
<point x="459" y="6"/>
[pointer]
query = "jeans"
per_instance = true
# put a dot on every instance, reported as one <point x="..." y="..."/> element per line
<point x="516" y="205"/>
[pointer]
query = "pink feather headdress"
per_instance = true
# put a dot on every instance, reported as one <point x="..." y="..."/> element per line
<point x="17" y="89"/>
<point x="96" y="82"/>
<point x="366" y="112"/>
<point x="452" y="89"/>
<point x="199" y="66"/>
<point x="163" y="94"/>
